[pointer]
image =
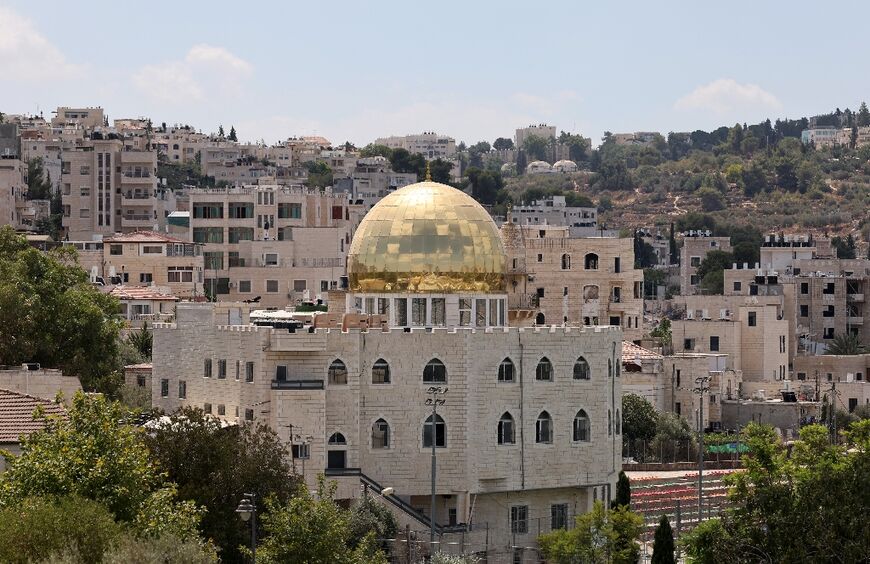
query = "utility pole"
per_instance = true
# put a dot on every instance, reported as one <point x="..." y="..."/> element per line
<point x="702" y="386"/>
<point x="434" y="401"/>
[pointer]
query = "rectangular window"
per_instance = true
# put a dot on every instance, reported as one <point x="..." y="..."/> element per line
<point x="520" y="519"/>
<point x="617" y="266"/>
<point x="614" y="320"/>
<point x="241" y="210"/>
<point x="558" y="516"/>
<point x="418" y="311"/>
<point x="271" y="286"/>
<point x="237" y="234"/>
<point x="695" y="261"/>
<point x="401" y="312"/>
<point x="207" y="408"/>
<point x="208" y="210"/>
<point x="464" y="312"/>
<point x="152" y="249"/>
<point x="384" y="306"/>
<point x="146" y="277"/>
<point x="714" y="343"/>
<point x="164" y="388"/>
<point x="208" y="235"/>
<point x="805" y="311"/>
<point x="238" y="367"/>
<point x="737" y="286"/>
<point x="206" y="368"/>
<point x="805" y="288"/>
<point x="182" y="389"/>
<point x="828" y="289"/>
<point x="281" y="373"/>
<point x="249" y="414"/>
<point x="300" y="451"/>
<point x="249" y="372"/>
<point x="116" y="250"/>
<point x="752" y="319"/>
<point x="688" y="344"/>
<point x="213" y="260"/>
<point x="222" y="409"/>
<point x="678" y="408"/>
<point x="438" y="312"/>
<point x="480" y="313"/>
<point x="289" y="211"/>
<point x="300" y="285"/>
<point x="222" y="369"/>
<point x="244" y="286"/>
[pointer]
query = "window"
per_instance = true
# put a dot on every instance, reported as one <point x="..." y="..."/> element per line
<point x="558" y="516"/>
<point x="540" y="257"/>
<point x="206" y="407"/>
<point x="544" y="370"/>
<point x="222" y="409"/>
<point x="506" y="371"/>
<point x="737" y="286"/>
<point x="300" y="451"/>
<point x="581" y="426"/>
<point x="464" y="312"/>
<point x="805" y="311"/>
<point x="244" y="286"/>
<point x="241" y="210"/>
<point x="249" y="415"/>
<point x="380" y="372"/>
<point x="695" y="261"/>
<point x="164" y="388"/>
<point x="249" y="372"/>
<point x="435" y="372"/>
<point x="440" y="432"/>
<point x="208" y="235"/>
<point x="615" y="321"/>
<point x="337" y="372"/>
<point x="581" y="369"/>
<point x="678" y="408"/>
<point x="688" y="344"/>
<point x="208" y="210"/>
<point x="116" y="250"/>
<point x="337" y="439"/>
<point x="617" y="266"/>
<point x="206" y="368"/>
<point x="281" y="373"/>
<point x="590" y="262"/>
<point x="828" y="333"/>
<point x="805" y="288"/>
<point x="271" y="286"/>
<point x="752" y="319"/>
<point x="520" y="519"/>
<point x="290" y="211"/>
<point x="714" y="343"/>
<point x="238" y="366"/>
<point x="540" y="319"/>
<point x="828" y="311"/>
<point x="182" y="389"/>
<point x="152" y="250"/>
<point x="146" y="277"/>
<point x="401" y="312"/>
<point x="540" y="292"/>
<point x="609" y="422"/>
<point x="566" y="262"/>
<point x="544" y="429"/>
<point x="438" y="312"/>
<point x="270" y="259"/>
<point x="300" y="285"/>
<point x="418" y="311"/>
<point x="222" y="369"/>
<point x="618" y="420"/>
<point x="237" y="234"/>
<point x="140" y="381"/>
<point x="829" y="288"/>
<point x="506" y="429"/>
<point x="380" y="434"/>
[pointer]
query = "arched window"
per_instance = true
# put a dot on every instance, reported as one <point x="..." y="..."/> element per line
<point x="540" y="319"/>
<point x="440" y="432"/>
<point x="609" y="423"/>
<point x="581" y="369"/>
<point x="337" y="439"/>
<point x="566" y="262"/>
<point x="380" y="372"/>
<point x="618" y="423"/>
<point x="506" y="429"/>
<point x="337" y="372"/>
<point x="506" y="371"/>
<point x="590" y="262"/>
<point x="175" y="146"/>
<point x="581" y="426"/>
<point x="435" y="372"/>
<point x="380" y="434"/>
<point x="544" y="428"/>
<point x="544" y="370"/>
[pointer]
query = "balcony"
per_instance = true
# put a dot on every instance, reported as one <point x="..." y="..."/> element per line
<point x="139" y="220"/>
<point x="855" y="298"/>
<point x="523" y="301"/>
<point x="297" y="384"/>
<point x="855" y="320"/>
<point x="135" y="198"/>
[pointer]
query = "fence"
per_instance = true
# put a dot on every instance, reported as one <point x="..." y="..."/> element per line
<point x="723" y="450"/>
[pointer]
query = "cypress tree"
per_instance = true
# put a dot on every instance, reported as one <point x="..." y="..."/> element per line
<point x="623" y="491"/>
<point x="663" y="544"/>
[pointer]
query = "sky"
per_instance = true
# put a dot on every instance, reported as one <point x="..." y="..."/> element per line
<point x="354" y="71"/>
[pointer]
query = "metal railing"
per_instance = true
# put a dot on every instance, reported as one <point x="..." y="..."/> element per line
<point x="310" y="384"/>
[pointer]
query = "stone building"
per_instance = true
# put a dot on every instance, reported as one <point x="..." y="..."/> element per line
<point x="529" y="431"/>
<point x="148" y="258"/>
<point x="556" y="279"/>
<point x="580" y="221"/>
<point x="681" y="375"/>
<point x="696" y="245"/>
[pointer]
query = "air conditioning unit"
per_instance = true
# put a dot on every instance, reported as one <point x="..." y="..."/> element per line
<point x="704" y="314"/>
<point x="690" y="314"/>
<point x="531" y="278"/>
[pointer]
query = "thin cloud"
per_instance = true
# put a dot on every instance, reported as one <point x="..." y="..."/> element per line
<point x="205" y="68"/>
<point x="26" y="54"/>
<point x="727" y="95"/>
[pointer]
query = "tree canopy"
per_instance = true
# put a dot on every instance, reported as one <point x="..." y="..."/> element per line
<point x="598" y="536"/>
<point x="51" y="314"/>
<point x="639" y="418"/>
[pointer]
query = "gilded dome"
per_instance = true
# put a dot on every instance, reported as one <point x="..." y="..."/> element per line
<point x="427" y="238"/>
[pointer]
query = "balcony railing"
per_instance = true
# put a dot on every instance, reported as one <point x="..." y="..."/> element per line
<point x="139" y="217"/>
<point x="297" y="384"/>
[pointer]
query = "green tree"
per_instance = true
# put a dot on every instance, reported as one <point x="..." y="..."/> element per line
<point x="38" y="186"/>
<point x="372" y="150"/>
<point x="623" y="491"/>
<point x="711" y="270"/>
<point x="486" y="185"/>
<point x="845" y="248"/>
<point x="214" y="466"/>
<point x="639" y="416"/>
<point x="846" y="344"/>
<point x="662" y="332"/>
<point x="232" y="136"/>
<point x="612" y="175"/>
<point x="368" y="517"/>
<point x="93" y="454"/>
<point x="142" y="340"/>
<point x="746" y="252"/>
<point x="577" y="145"/>
<point x="502" y="144"/>
<point x="476" y="152"/>
<point x="308" y="530"/>
<point x="753" y="179"/>
<point x="37" y="527"/>
<point x="68" y="323"/>
<point x="535" y="147"/>
<point x="598" y="537"/>
<point x="863" y="115"/>
<point x="221" y="130"/>
<point x="711" y="199"/>
<point x="663" y="544"/>
<point x="165" y="549"/>
<point x="439" y="170"/>
<point x="319" y="174"/>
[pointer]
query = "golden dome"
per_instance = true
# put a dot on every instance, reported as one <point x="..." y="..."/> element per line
<point x="428" y="238"/>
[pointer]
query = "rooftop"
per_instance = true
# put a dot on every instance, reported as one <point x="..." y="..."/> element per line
<point x="16" y="414"/>
<point x="140" y="293"/>
<point x="143" y="237"/>
<point x="630" y="351"/>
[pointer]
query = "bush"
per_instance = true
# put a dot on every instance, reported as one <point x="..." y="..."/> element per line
<point x="38" y="527"/>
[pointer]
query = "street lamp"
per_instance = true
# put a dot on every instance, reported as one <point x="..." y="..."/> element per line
<point x="247" y="510"/>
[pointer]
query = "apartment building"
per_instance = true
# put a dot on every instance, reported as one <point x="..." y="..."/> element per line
<point x="109" y="188"/>
<point x="845" y="379"/>
<point x="429" y="144"/>
<point x="553" y="210"/>
<point x="281" y="244"/>
<point x="686" y="372"/>
<point x="146" y="258"/>
<point x="556" y="279"/>
<point x="371" y="180"/>
<point x="87" y="118"/>
<point x="696" y="245"/>
<point x="12" y="190"/>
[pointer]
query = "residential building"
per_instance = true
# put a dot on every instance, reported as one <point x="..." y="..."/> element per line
<point x="696" y="245"/>
<point x="541" y="130"/>
<point x="528" y="427"/>
<point x="143" y="304"/>
<point x="555" y="279"/>
<point x="553" y="210"/>
<point x="147" y="258"/>
<point x="822" y="136"/>
<point x="686" y="372"/>
<point x="31" y="379"/>
<point x="87" y="118"/>
<point x="371" y="180"/>
<point x="17" y="419"/>
<point x="643" y="374"/>
<point x="429" y="144"/>
<point x="786" y="417"/>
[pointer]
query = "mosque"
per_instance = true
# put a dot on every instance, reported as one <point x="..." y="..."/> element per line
<point x="527" y="429"/>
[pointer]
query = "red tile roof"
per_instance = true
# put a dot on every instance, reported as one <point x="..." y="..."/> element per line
<point x="632" y="353"/>
<point x="143" y="237"/>
<point x="16" y="414"/>
<point x="140" y="293"/>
